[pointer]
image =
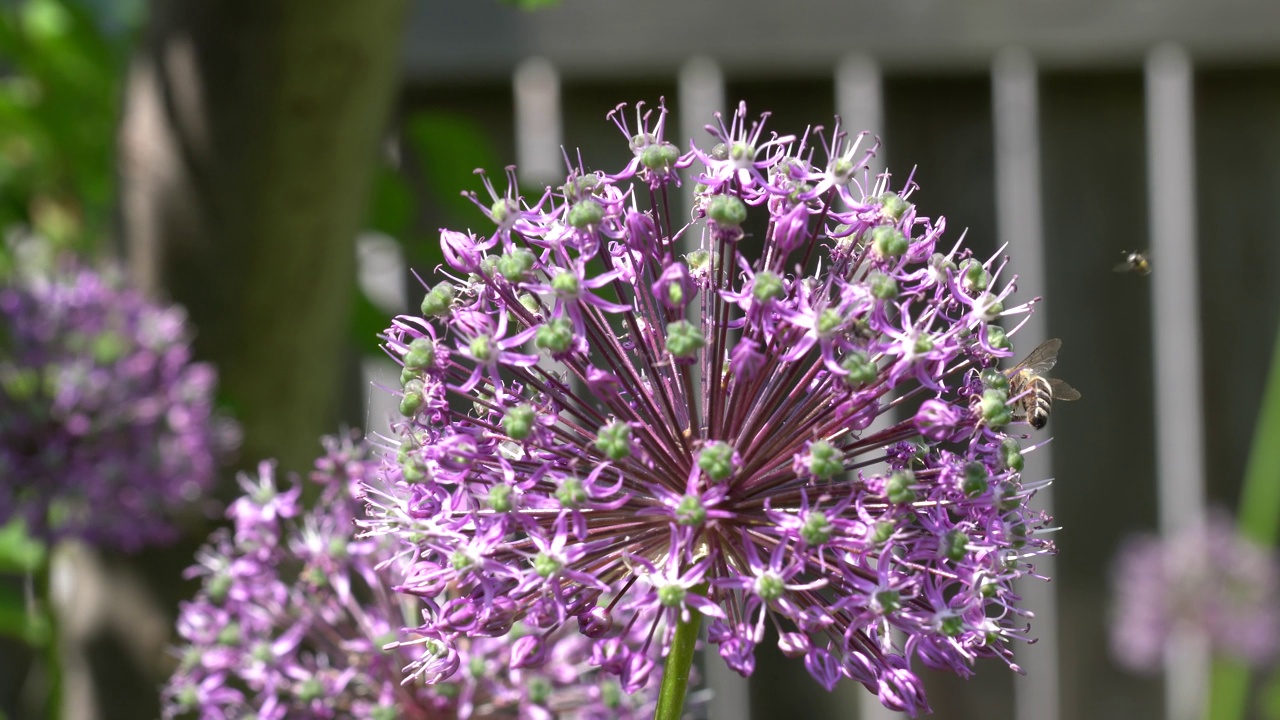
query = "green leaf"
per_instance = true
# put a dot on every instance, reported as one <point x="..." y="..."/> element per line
<point x="449" y="147"/>
<point x="19" y="552"/>
<point x="17" y="622"/>
<point x="367" y="322"/>
<point x="1259" y="521"/>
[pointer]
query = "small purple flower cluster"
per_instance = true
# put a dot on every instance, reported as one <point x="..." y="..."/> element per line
<point x="1207" y="579"/>
<point x="107" y="428"/>
<point x="614" y="419"/>
<point x="295" y="620"/>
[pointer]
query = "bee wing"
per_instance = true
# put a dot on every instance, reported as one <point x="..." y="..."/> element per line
<point x="1063" y="391"/>
<point x="1041" y="360"/>
<point x="1125" y="266"/>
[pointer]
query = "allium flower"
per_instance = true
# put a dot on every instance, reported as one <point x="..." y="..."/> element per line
<point x="295" y="620"/>
<point x="1207" y="580"/>
<point x="106" y="425"/>
<point x="607" y="431"/>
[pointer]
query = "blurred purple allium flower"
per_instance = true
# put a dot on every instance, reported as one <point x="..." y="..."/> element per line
<point x="1206" y="579"/>
<point x="615" y="419"/>
<point x="294" y="614"/>
<point x="107" y="427"/>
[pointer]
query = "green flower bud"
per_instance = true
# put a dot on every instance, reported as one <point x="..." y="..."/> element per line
<point x="610" y="694"/>
<point x="1018" y="535"/>
<point x="997" y="339"/>
<point x="585" y="213"/>
<point x="975" y="277"/>
<point x="671" y="595"/>
<point x="892" y="206"/>
<point x="882" y="286"/>
<point x="954" y="545"/>
<point x="690" y="511"/>
<point x="986" y="307"/>
<point x="994" y="379"/>
<point x="229" y="635"/>
<point x="420" y="355"/>
<point x="518" y="422"/>
<point x="571" y="493"/>
<point x="661" y="156"/>
<point x="994" y="408"/>
<point x="716" y="460"/>
<point x="684" y="339"/>
<point x="951" y="625"/>
<point x="481" y="348"/>
<point x="699" y="262"/>
<point x="108" y="348"/>
<point x="882" y="531"/>
<point x="675" y="294"/>
<point x="500" y="498"/>
<point x="530" y="303"/>
<point x="1009" y="497"/>
<point x="923" y="344"/>
<point x="727" y="211"/>
<point x="503" y="209"/>
<point x="860" y="368"/>
<point x="898" y="487"/>
<point x="768" y="286"/>
<point x="888" y="241"/>
<point x="539" y="690"/>
<point x="1011" y="454"/>
<point x="545" y="565"/>
<point x="890" y="601"/>
<point x="218" y="586"/>
<point x="461" y="562"/>
<point x="769" y="587"/>
<point x="614" y="440"/>
<point x="975" y="480"/>
<point x="825" y="459"/>
<point x="829" y="321"/>
<point x="515" y="265"/>
<point x="412" y="400"/>
<point x="439" y="300"/>
<point x="556" y="335"/>
<point x="816" y="529"/>
<point x="310" y="690"/>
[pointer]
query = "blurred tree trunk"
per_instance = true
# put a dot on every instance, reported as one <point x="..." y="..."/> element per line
<point x="247" y="149"/>
<point x="248" y="144"/>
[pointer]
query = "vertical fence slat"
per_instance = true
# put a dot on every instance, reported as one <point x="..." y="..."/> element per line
<point x="1015" y="116"/>
<point x="860" y="101"/>
<point x="1179" y="405"/>
<point x="539" y="122"/>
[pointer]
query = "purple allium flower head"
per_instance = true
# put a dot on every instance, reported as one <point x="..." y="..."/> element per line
<point x="295" y="619"/>
<point x="1206" y="579"/>
<point x="107" y="427"/>
<point x="615" y="419"/>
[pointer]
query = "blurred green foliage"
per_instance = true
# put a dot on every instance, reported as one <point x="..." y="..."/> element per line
<point x="440" y="153"/>
<point x="61" y="75"/>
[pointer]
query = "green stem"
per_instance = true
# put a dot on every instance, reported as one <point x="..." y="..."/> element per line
<point x="675" y="673"/>
<point x="52" y="661"/>
<point x="1259" y="521"/>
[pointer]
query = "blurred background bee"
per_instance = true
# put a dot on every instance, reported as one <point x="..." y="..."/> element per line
<point x="1134" y="262"/>
<point x="1028" y="379"/>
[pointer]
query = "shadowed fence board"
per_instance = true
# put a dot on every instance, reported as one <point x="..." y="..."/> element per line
<point x="1238" y="168"/>
<point x="1094" y="198"/>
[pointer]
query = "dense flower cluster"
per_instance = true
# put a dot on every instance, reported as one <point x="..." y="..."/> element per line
<point x="782" y="414"/>
<point x="107" y="427"/>
<point x="294" y="614"/>
<point x="1206" y="579"/>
